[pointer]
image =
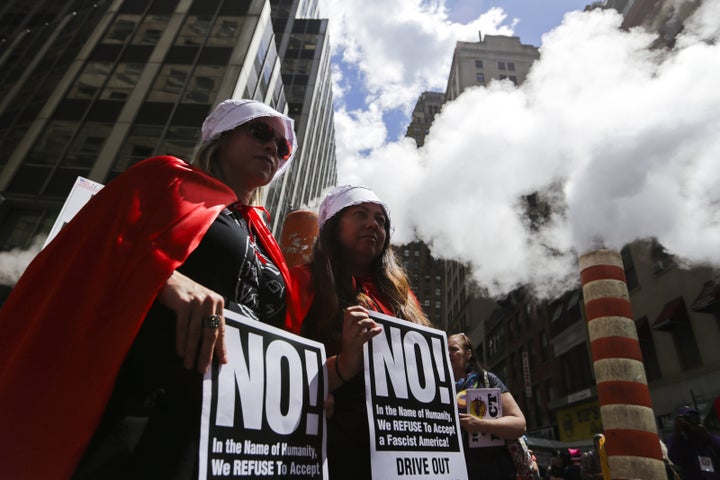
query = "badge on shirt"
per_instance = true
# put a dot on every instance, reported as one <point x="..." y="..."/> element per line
<point x="706" y="464"/>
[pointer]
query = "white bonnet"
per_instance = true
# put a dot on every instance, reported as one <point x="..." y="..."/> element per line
<point x="230" y="114"/>
<point x="344" y="196"/>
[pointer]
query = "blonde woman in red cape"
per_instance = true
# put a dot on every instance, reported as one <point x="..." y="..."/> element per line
<point x="107" y="334"/>
<point x="352" y="272"/>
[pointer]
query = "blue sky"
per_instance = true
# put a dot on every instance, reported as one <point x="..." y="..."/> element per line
<point x="462" y="19"/>
<point x="534" y="18"/>
<point x="623" y="140"/>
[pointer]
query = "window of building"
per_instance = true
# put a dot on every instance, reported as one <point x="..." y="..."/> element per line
<point x="531" y="353"/>
<point x="53" y="142"/>
<point x="511" y="367"/>
<point x="549" y="390"/>
<point x="23" y="227"/>
<point x="225" y="31"/>
<point x="647" y="347"/>
<point x="85" y="148"/>
<point x="150" y="30"/>
<point x="297" y="66"/>
<point x="478" y="64"/>
<point x="29" y="179"/>
<point x="480" y="78"/>
<point x="204" y="84"/>
<point x="674" y="319"/>
<point x="629" y="266"/>
<point x="513" y="79"/>
<point x="62" y="181"/>
<point x="511" y="66"/>
<point x="121" y="29"/>
<point x="660" y="258"/>
<point x="179" y="141"/>
<point x="543" y="346"/>
<point x="90" y="80"/>
<point x="539" y="407"/>
<point x="122" y="81"/>
<point x="416" y="253"/>
<point x="438" y="305"/>
<point x="437" y="292"/>
<point x="194" y="30"/>
<point x="138" y="145"/>
<point x="169" y="83"/>
<point x="501" y="65"/>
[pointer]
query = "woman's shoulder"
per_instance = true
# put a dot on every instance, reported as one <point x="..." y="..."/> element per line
<point x="495" y="382"/>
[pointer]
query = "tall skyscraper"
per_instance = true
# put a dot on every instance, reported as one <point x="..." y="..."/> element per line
<point x="492" y="58"/>
<point x="90" y="88"/>
<point x="426" y="273"/>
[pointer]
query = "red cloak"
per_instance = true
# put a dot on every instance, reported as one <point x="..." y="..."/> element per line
<point x="72" y="317"/>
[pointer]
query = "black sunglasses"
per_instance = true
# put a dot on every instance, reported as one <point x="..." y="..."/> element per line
<point x="262" y="132"/>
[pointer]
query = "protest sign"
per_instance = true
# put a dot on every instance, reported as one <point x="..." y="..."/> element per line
<point x="81" y="192"/>
<point x="410" y="395"/>
<point x="484" y="403"/>
<point x="262" y="413"/>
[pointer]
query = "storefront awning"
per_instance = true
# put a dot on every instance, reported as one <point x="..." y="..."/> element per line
<point x="708" y="296"/>
<point x="672" y="314"/>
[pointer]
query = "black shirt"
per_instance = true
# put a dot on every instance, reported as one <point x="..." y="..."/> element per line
<point x="151" y="425"/>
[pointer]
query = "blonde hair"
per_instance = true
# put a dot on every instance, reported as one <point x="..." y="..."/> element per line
<point x="207" y="159"/>
<point x="466" y="344"/>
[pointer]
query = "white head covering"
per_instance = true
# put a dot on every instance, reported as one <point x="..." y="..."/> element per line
<point x="344" y="196"/>
<point x="230" y="114"/>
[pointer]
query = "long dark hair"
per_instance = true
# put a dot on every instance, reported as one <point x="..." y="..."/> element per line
<point x="334" y="287"/>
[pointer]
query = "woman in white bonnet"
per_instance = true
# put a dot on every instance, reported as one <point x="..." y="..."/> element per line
<point x="164" y="248"/>
<point x="353" y="271"/>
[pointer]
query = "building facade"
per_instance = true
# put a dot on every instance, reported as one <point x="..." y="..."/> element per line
<point x="426" y="273"/>
<point x="90" y="88"/>
<point x="494" y="57"/>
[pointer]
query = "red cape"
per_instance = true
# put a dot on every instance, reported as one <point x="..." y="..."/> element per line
<point x="74" y="314"/>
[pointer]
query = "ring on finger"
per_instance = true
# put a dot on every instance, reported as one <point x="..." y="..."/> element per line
<point x="213" y="321"/>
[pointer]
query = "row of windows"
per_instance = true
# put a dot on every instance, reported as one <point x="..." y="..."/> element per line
<point x="501" y="65"/>
<point x="480" y="78"/>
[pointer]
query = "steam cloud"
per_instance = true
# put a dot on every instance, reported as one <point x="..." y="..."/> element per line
<point x="623" y="141"/>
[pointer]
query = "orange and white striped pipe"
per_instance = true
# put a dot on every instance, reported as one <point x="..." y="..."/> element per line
<point x="632" y="442"/>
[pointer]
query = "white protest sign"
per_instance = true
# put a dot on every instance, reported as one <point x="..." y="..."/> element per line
<point x="262" y="413"/>
<point x="410" y="397"/>
<point x="484" y="403"/>
<point x="81" y="192"/>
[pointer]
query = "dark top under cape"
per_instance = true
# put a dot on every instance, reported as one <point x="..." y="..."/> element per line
<point x="71" y="319"/>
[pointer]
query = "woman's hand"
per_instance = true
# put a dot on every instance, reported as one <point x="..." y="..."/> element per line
<point x="193" y="305"/>
<point x="357" y="329"/>
<point x="471" y="423"/>
<point x="510" y="426"/>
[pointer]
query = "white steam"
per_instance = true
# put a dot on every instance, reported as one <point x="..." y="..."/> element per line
<point x="622" y="139"/>
<point x="14" y="262"/>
